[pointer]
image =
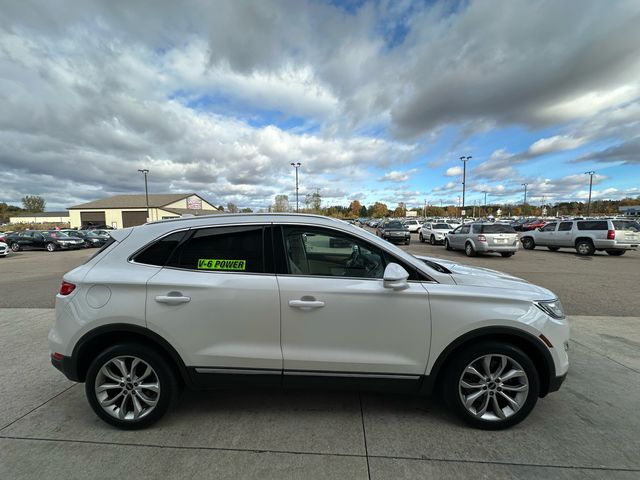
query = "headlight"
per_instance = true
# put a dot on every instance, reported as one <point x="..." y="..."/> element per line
<point x="553" y="308"/>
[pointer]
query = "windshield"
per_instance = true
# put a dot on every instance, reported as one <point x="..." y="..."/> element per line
<point x="394" y="225"/>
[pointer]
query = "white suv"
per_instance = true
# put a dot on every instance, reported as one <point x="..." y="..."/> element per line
<point x="299" y="300"/>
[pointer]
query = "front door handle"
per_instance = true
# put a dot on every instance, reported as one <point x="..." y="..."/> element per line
<point x="306" y="304"/>
<point x="173" y="298"/>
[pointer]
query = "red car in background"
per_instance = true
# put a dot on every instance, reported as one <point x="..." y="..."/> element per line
<point x="533" y="224"/>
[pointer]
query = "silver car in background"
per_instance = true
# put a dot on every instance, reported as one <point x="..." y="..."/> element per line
<point x="476" y="238"/>
<point x="434" y="232"/>
<point x="613" y="236"/>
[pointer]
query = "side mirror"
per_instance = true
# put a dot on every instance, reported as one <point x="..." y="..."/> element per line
<point x="395" y="277"/>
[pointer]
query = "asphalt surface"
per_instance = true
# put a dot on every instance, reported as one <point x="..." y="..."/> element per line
<point x="595" y="285"/>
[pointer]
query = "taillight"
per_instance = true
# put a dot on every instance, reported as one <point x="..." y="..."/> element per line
<point x="66" y="288"/>
<point x="482" y="238"/>
<point x="611" y="235"/>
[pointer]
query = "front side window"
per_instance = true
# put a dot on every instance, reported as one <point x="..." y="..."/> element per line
<point x="465" y="229"/>
<point x="313" y="251"/>
<point x="222" y="249"/>
<point x="549" y="227"/>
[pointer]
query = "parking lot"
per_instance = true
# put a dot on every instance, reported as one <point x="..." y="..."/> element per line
<point x="589" y="429"/>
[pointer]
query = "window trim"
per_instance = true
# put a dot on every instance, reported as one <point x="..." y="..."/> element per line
<point x="280" y="259"/>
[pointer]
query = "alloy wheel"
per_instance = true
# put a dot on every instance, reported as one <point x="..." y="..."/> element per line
<point x="493" y="387"/>
<point x="127" y="388"/>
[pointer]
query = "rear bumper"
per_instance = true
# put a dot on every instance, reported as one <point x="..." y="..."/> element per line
<point x="486" y="248"/>
<point x="67" y="366"/>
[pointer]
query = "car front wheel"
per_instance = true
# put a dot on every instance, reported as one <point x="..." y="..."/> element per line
<point x="15" y="247"/>
<point x="447" y="245"/>
<point x="421" y="238"/>
<point x="130" y="386"/>
<point x="492" y="385"/>
<point x="51" y="247"/>
<point x="528" y="243"/>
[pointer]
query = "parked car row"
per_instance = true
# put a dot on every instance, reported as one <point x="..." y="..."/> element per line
<point x="52" y="240"/>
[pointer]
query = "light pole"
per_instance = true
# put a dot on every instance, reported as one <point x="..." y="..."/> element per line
<point x="591" y="173"/>
<point x="524" y="204"/>
<point x="425" y="208"/>
<point x="145" y="171"/>
<point x="464" y="175"/>
<point x="296" y="165"/>
<point x="485" y="203"/>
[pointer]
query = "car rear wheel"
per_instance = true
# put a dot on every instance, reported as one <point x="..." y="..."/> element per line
<point x="51" y="247"/>
<point x="554" y="249"/>
<point x="585" y="247"/>
<point x="130" y="386"/>
<point x="615" y="253"/>
<point x="15" y="247"/>
<point x="492" y="385"/>
<point x="468" y="249"/>
<point x="528" y="243"/>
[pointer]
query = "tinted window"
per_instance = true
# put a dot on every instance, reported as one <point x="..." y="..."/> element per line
<point x="593" y="225"/>
<point x="549" y="227"/>
<point x="441" y="226"/>
<point x="158" y="252"/>
<point x="311" y="251"/>
<point x="394" y="225"/>
<point x="629" y="226"/>
<point x="565" y="226"/>
<point x="465" y="229"/>
<point x="222" y="249"/>
<point x="497" y="228"/>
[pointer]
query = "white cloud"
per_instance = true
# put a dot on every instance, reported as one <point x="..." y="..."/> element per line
<point x="453" y="172"/>
<point x="555" y="144"/>
<point x="398" y="176"/>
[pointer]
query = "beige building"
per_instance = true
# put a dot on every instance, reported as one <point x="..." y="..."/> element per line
<point x="42" y="217"/>
<point x="129" y="210"/>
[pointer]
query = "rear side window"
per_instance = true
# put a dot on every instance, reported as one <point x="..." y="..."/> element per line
<point x="107" y="244"/>
<point x="222" y="249"/>
<point x="593" y="225"/>
<point x="159" y="251"/>
<point x="497" y="228"/>
<point x="565" y="226"/>
<point x="629" y="226"/>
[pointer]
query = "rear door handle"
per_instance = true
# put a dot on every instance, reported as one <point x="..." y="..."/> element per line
<point x="306" y="304"/>
<point x="174" y="299"/>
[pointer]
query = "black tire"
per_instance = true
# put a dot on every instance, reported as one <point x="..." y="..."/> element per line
<point x="432" y="240"/>
<point x="407" y="242"/>
<point x="528" y="243"/>
<point x="615" y="253"/>
<point x="469" y="250"/>
<point x="15" y="247"/>
<point x="585" y="247"/>
<point x="446" y="245"/>
<point x="466" y="356"/>
<point x="554" y="249"/>
<point x="51" y="247"/>
<point x="507" y="254"/>
<point x="420" y="237"/>
<point x="166" y="378"/>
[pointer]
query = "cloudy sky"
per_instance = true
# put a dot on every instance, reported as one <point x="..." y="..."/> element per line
<point x="377" y="100"/>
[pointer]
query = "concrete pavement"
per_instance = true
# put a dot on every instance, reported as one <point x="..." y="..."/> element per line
<point x="589" y="429"/>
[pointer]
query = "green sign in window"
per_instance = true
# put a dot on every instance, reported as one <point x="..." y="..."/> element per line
<point x="221" y="264"/>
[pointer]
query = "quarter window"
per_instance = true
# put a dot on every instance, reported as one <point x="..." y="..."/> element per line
<point x="593" y="225"/>
<point x="158" y="252"/>
<point x="222" y="249"/>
